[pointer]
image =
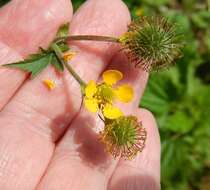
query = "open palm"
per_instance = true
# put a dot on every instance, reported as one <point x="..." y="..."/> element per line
<point x="46" y="141"/>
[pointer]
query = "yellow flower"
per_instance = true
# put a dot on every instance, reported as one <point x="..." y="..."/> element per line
<point x="100" y="97"/>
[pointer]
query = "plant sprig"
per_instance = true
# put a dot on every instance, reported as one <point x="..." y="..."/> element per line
<point x="36" y="63"/>
<point x="151" y="43"/>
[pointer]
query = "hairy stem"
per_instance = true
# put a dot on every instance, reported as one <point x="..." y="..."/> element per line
<point x="88" y="38"/>
<point x="59" y="54"/>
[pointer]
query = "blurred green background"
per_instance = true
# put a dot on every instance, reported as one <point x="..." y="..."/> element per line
<point x="180" y="97"/>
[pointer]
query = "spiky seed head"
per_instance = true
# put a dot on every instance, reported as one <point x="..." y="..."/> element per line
<point x="124" y="137"/>
<point x="152" y="43"/>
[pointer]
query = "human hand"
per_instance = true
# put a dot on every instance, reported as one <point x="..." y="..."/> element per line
<point x="46" y="140"/>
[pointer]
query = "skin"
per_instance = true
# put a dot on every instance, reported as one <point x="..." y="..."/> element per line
<point x="46" y="140"/>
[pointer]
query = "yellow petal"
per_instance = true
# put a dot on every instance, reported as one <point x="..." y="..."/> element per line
<point x="91" y="89"/>
<point x="111" y="77"/>
<point x="49" y="83"/>
<point x="111" y="112"/>
<point x="125" y="93"/>
<point x="91" y="105"/>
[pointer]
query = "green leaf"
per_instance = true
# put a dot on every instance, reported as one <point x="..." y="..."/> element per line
<point x="34" y="64"/>
<point x="63" y="30"/>
<point x="56" y="63"/>
<point x="201" y="19"/>
<point x="154" y="103"/>
<point x="179" y="122"/>
<point x="161" y="92"/>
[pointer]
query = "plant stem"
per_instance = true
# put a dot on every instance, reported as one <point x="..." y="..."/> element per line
<point x="59" y="54"/>
<point x="88" y="38"/>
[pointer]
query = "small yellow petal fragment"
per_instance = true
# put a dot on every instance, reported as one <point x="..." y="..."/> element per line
<point x="68" y="56"/>
<point x="91" y="89"/>
<point x="111" y="77"/>
<point x="111" y="112"/>
<point x="125" y="93"/>
<point x="91" y="104"/>
<point x="49" y="83"/>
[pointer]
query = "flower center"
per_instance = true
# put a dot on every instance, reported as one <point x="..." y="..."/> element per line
<point x="123" y="133"/>
<point x="105" y="93"/>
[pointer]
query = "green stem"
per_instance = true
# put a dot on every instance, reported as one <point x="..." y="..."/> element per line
<point x="59" y="54"/>
<point x="88" y="38"/>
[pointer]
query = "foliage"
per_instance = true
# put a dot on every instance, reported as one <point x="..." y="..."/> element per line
<point x="181" y="105"/>
<point x="179" y="98"/>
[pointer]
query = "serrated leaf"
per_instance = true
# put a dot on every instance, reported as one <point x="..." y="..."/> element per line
<point x="34" y="64"/>
<point x="63" y="30"/>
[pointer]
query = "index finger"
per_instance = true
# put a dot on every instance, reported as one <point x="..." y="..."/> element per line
<point x="20" y="24"/>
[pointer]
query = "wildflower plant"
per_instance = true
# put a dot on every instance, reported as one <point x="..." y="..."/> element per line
<point x="150" y="43"/>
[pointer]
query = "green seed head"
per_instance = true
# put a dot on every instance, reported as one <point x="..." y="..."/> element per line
<point x="124" y="137"/>
<point x="152" y="43"/>
<point x="106" y="93"/>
